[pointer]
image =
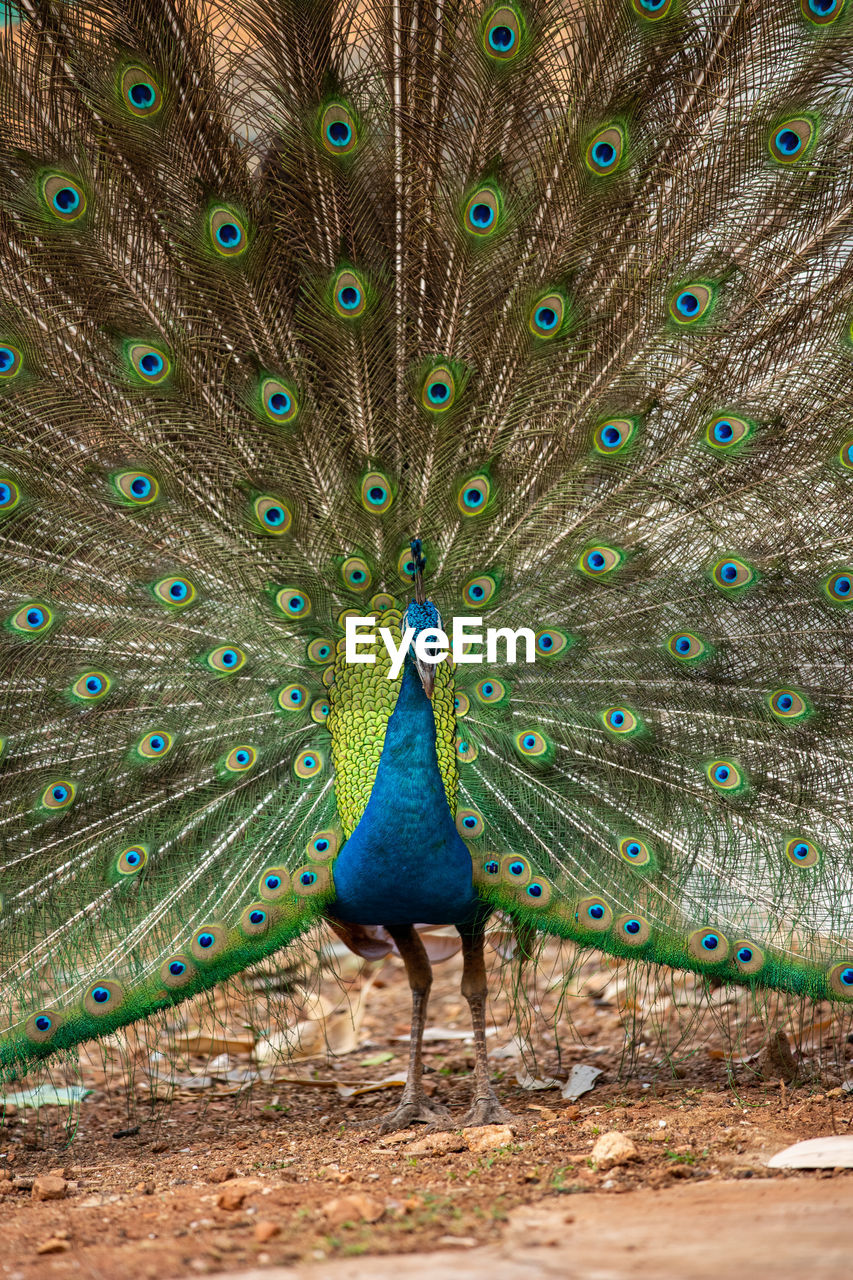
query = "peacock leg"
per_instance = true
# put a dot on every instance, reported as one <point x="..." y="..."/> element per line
<point x="414" y="1106"/>
<point x="485" y="1107"/>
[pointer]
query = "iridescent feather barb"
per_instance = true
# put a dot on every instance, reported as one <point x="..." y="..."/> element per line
<point x="562" y="291"/>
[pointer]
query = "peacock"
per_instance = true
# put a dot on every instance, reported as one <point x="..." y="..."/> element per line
<point x="325" y="321"/>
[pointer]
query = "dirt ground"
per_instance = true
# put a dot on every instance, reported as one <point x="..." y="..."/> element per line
<point x="256" y="1166"/>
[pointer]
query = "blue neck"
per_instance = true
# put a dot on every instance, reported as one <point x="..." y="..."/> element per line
<point x="405" y="863"/>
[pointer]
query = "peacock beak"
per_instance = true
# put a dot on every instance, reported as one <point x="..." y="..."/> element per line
<point x="426" y="671"/>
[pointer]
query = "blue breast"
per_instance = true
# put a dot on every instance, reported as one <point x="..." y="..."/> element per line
<point x="405" y="863"/>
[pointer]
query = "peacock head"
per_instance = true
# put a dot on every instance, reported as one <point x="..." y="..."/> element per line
<point x="422" y="615"/>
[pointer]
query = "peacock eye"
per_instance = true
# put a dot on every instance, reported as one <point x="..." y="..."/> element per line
<point x="611" y="436"/>
<point x="136" y="488"/>
<point x="58" y="795"/>
<point x="240" y="759"/>
<point x="376" y="493"/>
<point x="469" y="823"/>
<point x="31" y="620"/>
<point x="598" y="561"/>
<point x="480" y="591"/>
<point x="482" y="213"/>
<point x="652" y="10"/>
<point x="725" y="775"/>
<point x="155" y="745"/>
<point x="821" y="12"/>
<point x="272" y="514"/>
<point x="11" y="362"/>
<point x="790" y="141"/>
<point x="150" y="364"/>
<point x="338" y="132"/>
<point x="839" y="588"/>
<point x="308" y="764"/>
<point x="803" y="853"/>
<point x="789" y="706"/>
<point x="691" y="303"/>
<point x="547" y="315"/>
<point x="621" y="720"/>
<point x="227" y="233"/>
<point x="356" y="573"/>
<point x="65" y="198"/>
<point x="724" y="432"/>
<point x="730" y="573"/>
<point x="438" y="391"/>
<point x="605" y="150"/>
<point x="686" y="647"/>
<point x="91" y="686"/>
<point x="176" y="592"/>
<point x="635" y="852"/>
<point x="278" y="400"/>
<point x="708" y="946"/>
<point x="502" y="34"/>
<point x="473" y="496"/>
<point x="141" y="93"/>
<point x="348" y="295"/>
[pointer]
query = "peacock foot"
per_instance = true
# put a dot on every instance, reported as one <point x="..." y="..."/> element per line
<point x="486" y="1109"/>
<point x="417" y="1109"/>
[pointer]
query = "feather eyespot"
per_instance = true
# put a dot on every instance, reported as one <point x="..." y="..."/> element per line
<point x="32" y="619"/>
<point x="839" y="588"/>
<point x="255" y="920"/>
<point x="209" y="942"/>
<point x="469" y="823"/>
<point x="439" y="389"/>
<point x="725" y="432"/>
<point x="91" y="686"/>
<point x="150" y="364"/>
<point x="274" y="884"/>
<point x="58" y="795"/>
<point x="461" y="704"/>
<point x="515" y="869"/>
<point x="175" y="592"/>
<point x="532" y="744"/>
<point x="65" y="198"/>
<point x="272" y="515"/>
<point x="686" y="647"/>
<point x="483" y="213"/>
<point x="11" y="362"/>
<point x="747" y="956"/>
<point x="725" y="775"/>
<point x="652" y="10"/>
<point x="480" y="591"/>
<point x="103" y="997"/>
<point x="406" y="565"/>
<point x="803" y="854"/>
<point x="708" y="946"/>
<point x="225" y="660"/>
<point x="691" y="303"/>
<point x="845" y="455"/>
<point x="502" y="34"/>
<point x="840" y="978"/>
<point x="731" y="574"/>
<point x="604" y="152"/>
<point x="312" y="879"/>
<point x="320" y="652"/>
<point x="176" y="972"/>
<point x="552" y="643"/>
<point x="293" y="697"/>
<point x="613" y="435"/>
<point x="547" y="316"/>
<point x="131" y="861"/>
<point x="473" y="496"/>
<point x="594" y="915"/>
<point x="822" y="13"/>
<point x="240" y="759"/>
<point x="293" y="602"/>
<point x="41" y="1027"/>
<point x="141" y="93"/>
<point x="278" y="400"/>
<point x="635" y="852"/>
<point x="466" y="750"/>
<point x="790" y="141"/>
<point x="382" y="602"/>
<point x="323" y="846"/>
<point x="349" y="295"/>
<point x="320" y="710"/>
<point x="536" y="894"/>
<point x="356" y="574"/>
<point x="137" y="488"/>
<point x="376" y="493"/>
<point x="155" y="745"/>
<point x="632" y="930"/>
<point x="308" y="764"/>
<point x="227" y="233"/>
<point x="490" y="691"/>
<point x="598" y="561"/>
<point x="338" y="131"/>
<point x="789" y="705"/>
<point x="621" y="720"/>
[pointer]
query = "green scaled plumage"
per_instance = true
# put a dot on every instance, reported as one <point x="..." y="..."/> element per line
<point x="564" y="291"/>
